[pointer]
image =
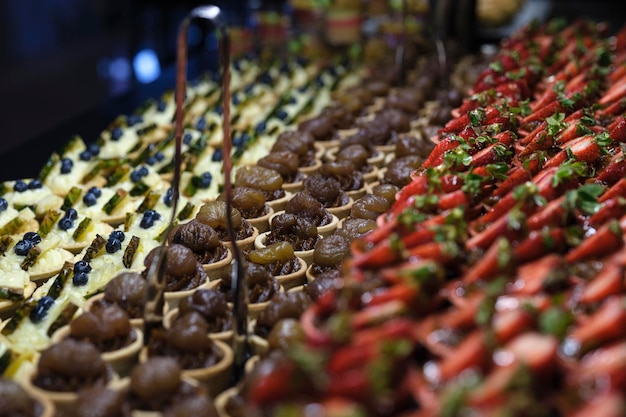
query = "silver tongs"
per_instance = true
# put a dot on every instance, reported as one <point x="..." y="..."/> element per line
<point x="153" y="311"/>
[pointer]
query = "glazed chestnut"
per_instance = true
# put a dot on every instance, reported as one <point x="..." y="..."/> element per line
<point x="212" y="305"/>
<point x="202" y="239"/>
<point x="406" y="100"/>
<point x="286" y="163"/>
<point x="213" y="213"/>
<point x="250" y="202"/>
<point x="304" y="205"/>
<point x="108" y="327"/>
<point x="283" y="305"/>
<point x="285" y="333"/>
<point x="321" y="127"/>
<point x="326" y="281"/>
<point x="398" y="121"/>
<point x="298" y="142"/>
<point x="411" y="145"/>
<point x="378" y="88"/>
<point x="331" y="251"/>
<point x="353" y="228"/>
<point x="326" y="190"/>
<point x="387" y="191"/>
<point x="369" y="206"/>
<point x="345" y="172"/>
<point x="193" y="406"/>
<point x="70" y="365"/>
<point x="357" y="154"/>
<point x="182" y="269"/>
<point x="379" y="130"/>
<point x="128" y="290"/>
<point x="399" y="170"/>
<point x="279" y="258"/>
<point x="15" y="401"/>
<point x="361" y="137"/>
<point x="341" y="117"/>
<point x="156" y="380"/>
<point x="261" y="284"/>
<point x="100" y="401"/>
<point x="294" y="229"/>
<point x="267" y="180"/>
<point x="189" y="333"/>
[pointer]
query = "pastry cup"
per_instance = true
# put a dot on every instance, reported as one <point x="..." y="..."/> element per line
<point x="343" y="211"/>
<point x="217" y="270"/>
<point x="254" y="309"/>
<point x="279" y="203"/>
<point x="48" y="408"/>
<point x="371" y="175"/>
<point x="259" y="345"/>
<point x="120" y="360"/>
<point x="221" y="400"/>
<point x="356" y="194"/>
<point x="293" y="187"/>
<point x="63" y="401"/>
<point x="325" y="230"/>
<point x="306" y="255"/>
<point x="312" y="169"/>
<point x="262" y="223"/>
<point x="89" y="303"/>
<point x="243" y="244"/>
<point x="295" y="278"/>
<point x="170" y="316"/>
<point x="172" y="298"/>
<point x="147" y="413"/>
<point x="215" y="378"/>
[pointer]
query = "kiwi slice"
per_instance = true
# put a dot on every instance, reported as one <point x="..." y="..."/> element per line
<point x="72" y="196"/>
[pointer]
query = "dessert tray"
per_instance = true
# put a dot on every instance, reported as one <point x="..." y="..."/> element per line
<point x="307" y="237"/>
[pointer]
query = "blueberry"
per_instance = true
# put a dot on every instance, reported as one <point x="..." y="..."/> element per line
<point x="236" y="100"/>
<point x="82" y="266"/>
<point x="187" y="138"/>
<point x="260" y="128"/>
<point x="265" y="78"/>
<point x="66" y="224"/>
<point x="281" y="114"/>
<point x="292" y="100"/>
<point x="35" y="184"/>
<point x="151" y="160"/>
<point x="66" y="165"/>
<point x="238" y="141"/>
<point x="94" y="149"/>
<point x="90" y="199"/>
<point x="143" y="171"/>
<point x="284" y="68"/>
<point x="95" y="191"/>
<point x="205" y="180"/>
<point x="161" y="106"/>
<point x="134" y="119"/>
<point x="219" y="110"/>
<point x="146" y="222"/>
<point x="80" y="279"/>
<point x="113" y="245"/>
<point x="116" y="133"/>
<point x="40" y="310"/>
<point x="20" y="186"/>
<point x="33" y="237"/>
<point x="217" y="155"/>
<point x="168" y="198"/>
<point x="71" y="214"/>
<point x="154" y="214"/>
<point x="237" y="65"/>
<point x="201" y="123"/>
<point x="85" y="156"/>
<point x="319" y="81"/>
<point x="135" y="176"/>
<point x="22" y="247"/>
<point x="303" y="88"/>
<point x="117" y="234"/>
<point x="4" y="204"/>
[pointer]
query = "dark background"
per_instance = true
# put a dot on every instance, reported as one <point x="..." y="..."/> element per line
<point x="66" y="66"/>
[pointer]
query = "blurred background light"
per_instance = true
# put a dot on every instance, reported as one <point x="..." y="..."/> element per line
<point x="146" y="66"/>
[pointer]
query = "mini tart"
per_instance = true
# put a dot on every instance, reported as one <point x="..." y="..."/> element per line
<point x="16" y="222"/>
<point x="324" y="230"/>
<point x="169" y="317"/>
<point x="172" y="298"/>
<point x="262" y="223"/>
<point x="377" y="159"/>
<point x="343" y="211"/>
<point x="136" y="322"/>
<point x="61" y="183"/>
<point x="294" y="278"/>
<point x="111" y="207"/>
<point x="306" y="255"/>
<point x="29" y="197"/>
<point x="121" y="360"/>
<point x="83" y="231"/>
<point x="215" y="378"/>
<point x="216" y="270"/>
<point x="279" y="204"/>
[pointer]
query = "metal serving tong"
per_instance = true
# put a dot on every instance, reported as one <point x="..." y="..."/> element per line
<point x="153" y="311"/>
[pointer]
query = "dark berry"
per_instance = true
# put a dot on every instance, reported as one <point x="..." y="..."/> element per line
<point x="205" y="180"/>
<point x="66" y="165"/>
<point x="40" y="310"/>
<point x="168" y="198"/>
<point x="159" y="156"/>
<point x="146" y="222"/>
<point x="33" y="237"/>
<point x="201" y="124"/>
<point x="80" y="279"/>
<point x="161" y="106"/>
<point x="237" y="65"/>
<point x="4" y="204"/>
<point x="113" y="245"/>
<point x="303" y="88"/>
<point x="117" y="234"/>
<point x="293" y="100"/>
<point x="187" y="138"/>
<point x="236" y="100"/>
<point x="319" y="81"/>
<point x="238" y="141"/>
<point x="260" y="128"/>
<point x="95" y="191"/>
<point x="66" y="224"/>
<point x="20" y="186"/>
<point x="82" y="266"/>
<point x="151" y="160"/>
<point x="134" y="119"/>
<point x="217" y="155"/>
<point x="85" y="156"/>
<point x="135" y="176"/>
<point x="90" y="199"/>
<point x="155" y="215"/>
<point x="35" y="184"/>
<point x="71" y="214"/>
<point x="281" y="114"/>
<point x="266" y="78"/>
<point x="94" y="149"/>
<point x="284" y="68"/>
<point x="22" y="247"/>
<point x="116" y="133"/>
<point x="143" y="171"/>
